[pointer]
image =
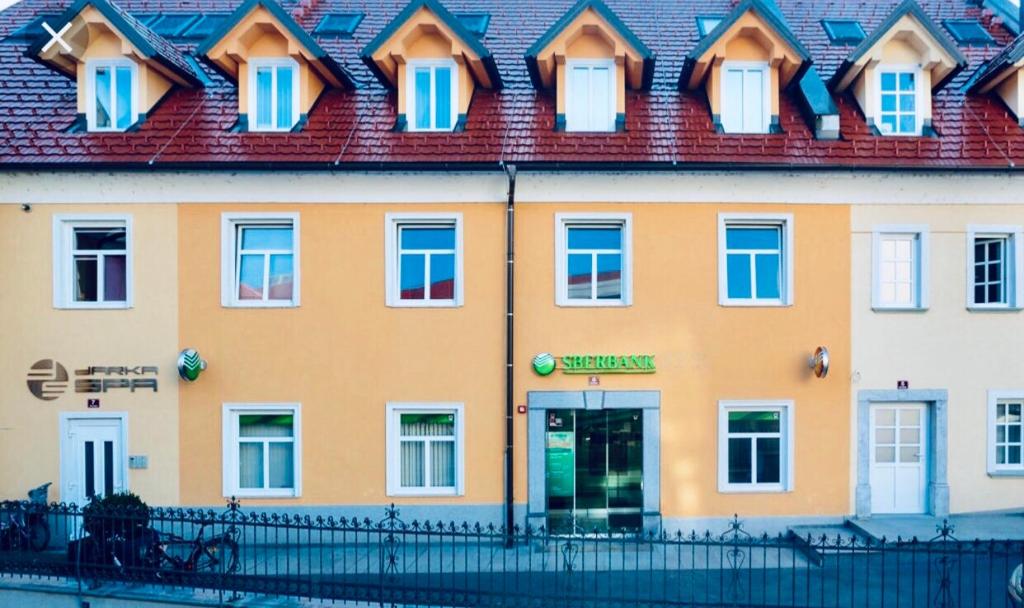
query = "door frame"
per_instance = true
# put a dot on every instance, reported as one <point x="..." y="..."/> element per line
<point x="936" y="430"/>
<point x="65" y="419"/>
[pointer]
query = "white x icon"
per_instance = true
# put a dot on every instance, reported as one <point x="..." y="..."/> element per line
<point x="56" y="36"/>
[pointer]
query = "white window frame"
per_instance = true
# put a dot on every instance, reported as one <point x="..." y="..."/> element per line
<point x="765" y="95"/>
<point x="230" y="420"/>
<point x="90" y="93"/>
<point x="787" y="426"/>
<point x="921" y="280"/>
<point x="410" y="87"/>
<point x="784" y="221"/>
<point x="393" y="411"/>
<point x="229" y="252"/>
<point x="570" y="64"/>
<point x="392" y="273"/>
<point x="1013" y="265"/>
<point x="563" y="221"/>
<point x="64" y="226"/>
<point x="920" y="98"/>
<point x="1001" y="470"/>
<point x="253" y="111"/>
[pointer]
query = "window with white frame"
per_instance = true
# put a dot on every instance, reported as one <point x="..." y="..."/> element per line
<point x="590" y="95"/>
<point x="897" y="101"/>
<point x="92" y="261"/>
<point x="755" y="446"/>
<point x="593" y="266"/>
<point x="755" y="259"/>
<point x="900" y="268"/>
<point x="1006" y="432"/>
<point x="994" y="266"/>
<point x="273" y="94"/>
<point x="260" y="259"/>
<point x="746" y="104"/>
<point x="425" y="444"/>
<point x="262" y="450"/>
<point x="432" y="104"/>
<point x="112" y="100"/>
<point x="423" y="258"/>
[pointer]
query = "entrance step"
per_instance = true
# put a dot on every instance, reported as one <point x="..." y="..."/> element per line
<point x="814" y="540"/>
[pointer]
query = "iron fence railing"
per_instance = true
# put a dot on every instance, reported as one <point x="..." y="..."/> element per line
<point x="390" y="561"/>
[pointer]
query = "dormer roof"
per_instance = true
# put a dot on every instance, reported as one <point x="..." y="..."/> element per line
<point x="991" y="72"/>
<point x="378" y="54"/>
<point x="146" y="44"/>
<point x="945" y="59"/>
<point x="307" y="46"/>
<point x="635" y="51"/>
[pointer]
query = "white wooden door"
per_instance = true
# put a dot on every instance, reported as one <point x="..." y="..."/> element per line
<point x="899" y="466"/>
<point x="92" y="458"/>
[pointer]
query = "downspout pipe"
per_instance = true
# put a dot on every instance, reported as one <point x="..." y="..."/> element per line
<point x="510" y="261"/>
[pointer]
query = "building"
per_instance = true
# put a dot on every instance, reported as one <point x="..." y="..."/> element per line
<point x="604" y="265"/>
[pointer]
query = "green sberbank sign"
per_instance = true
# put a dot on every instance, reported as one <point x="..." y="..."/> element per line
<point x="546" y="363"/>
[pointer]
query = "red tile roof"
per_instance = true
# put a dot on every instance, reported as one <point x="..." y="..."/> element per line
<point x="353" y="129"/>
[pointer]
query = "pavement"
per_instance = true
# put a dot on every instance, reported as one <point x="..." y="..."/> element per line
<point x="985" y="526"/>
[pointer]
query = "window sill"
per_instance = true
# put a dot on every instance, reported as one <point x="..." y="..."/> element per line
<point x="425" y="304"/>
<point x="423" y="493"/>
<point x="95" y="306"/>
<point x="262" y="305"/>
<point x="987" y="308"/>
<point x="264" y="494"/>
<point x="1006" y="473"/>
<point x="899" y="308"/>
<point x="565" y="303"/>
<point x="754" y="304"/>
<point x="752" y="489"/>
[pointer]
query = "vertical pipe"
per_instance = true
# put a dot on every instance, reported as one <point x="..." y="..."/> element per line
<point x="510" y="174"/>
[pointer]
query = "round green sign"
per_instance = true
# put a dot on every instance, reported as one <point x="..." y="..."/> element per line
<point x="544" y="364"/>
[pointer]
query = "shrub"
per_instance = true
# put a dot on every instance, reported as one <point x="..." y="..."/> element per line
<point x="123" y="514"/>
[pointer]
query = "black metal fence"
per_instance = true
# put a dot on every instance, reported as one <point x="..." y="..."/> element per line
<point x="385" y="562"/>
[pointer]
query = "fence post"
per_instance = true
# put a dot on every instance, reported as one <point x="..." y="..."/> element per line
<point x="734" y="538"/>
<point x="945" y="563"/>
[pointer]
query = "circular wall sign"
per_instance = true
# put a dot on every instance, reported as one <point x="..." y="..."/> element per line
<point x="820" y="362"/>
<point x="190" y="365"/>
<point x="544" y="364"/>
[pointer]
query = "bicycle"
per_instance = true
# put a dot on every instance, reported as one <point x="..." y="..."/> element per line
<point x="217" y="554"/>
<point x="25" y="525"/>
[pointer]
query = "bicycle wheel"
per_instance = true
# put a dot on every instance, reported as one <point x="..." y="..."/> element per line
<point x="219" y="555"/>
<point x="38" y="535"/>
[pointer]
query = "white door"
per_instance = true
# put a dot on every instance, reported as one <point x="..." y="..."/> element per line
<point x="899" y="468"/>
<point x="92" y="458"/>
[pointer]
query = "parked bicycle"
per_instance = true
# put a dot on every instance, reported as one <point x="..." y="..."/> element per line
<point x="23" y="524"/>
<point x="217" y="554"/>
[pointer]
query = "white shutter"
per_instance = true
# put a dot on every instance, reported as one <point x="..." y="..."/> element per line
<point x="732" y="101"/>
<point x="753" y="101"/>
<point x="577" y="115"/>
<point x="600" y="94"/>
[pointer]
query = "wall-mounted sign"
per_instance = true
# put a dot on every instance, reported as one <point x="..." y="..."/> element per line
<point x="902" y="385"/>
<point x="92" y="403"/>
<point x="190" y="365"/>
<point x="48" y="379"/>
<point x="545" y="363"/>
<point x="819" y="362"/>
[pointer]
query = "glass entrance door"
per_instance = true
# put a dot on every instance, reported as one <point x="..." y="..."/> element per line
<point x="594" y="470"/>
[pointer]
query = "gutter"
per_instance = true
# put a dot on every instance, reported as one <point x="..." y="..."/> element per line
<point x="510" y="262"/>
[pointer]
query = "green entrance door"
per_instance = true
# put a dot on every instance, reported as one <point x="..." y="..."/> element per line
<point x="594" y="470"/>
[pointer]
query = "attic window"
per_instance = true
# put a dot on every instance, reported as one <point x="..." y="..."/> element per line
<point x="475" y="22"/>
<point x="706" y="24"/>
<point x="843" y="31"/>
<point x="966" y="31"/>
<point x="31" y="29"/>
<point x="204" y="26"/>
<point x="338" y="24"/>
<point x="172" y="26"/>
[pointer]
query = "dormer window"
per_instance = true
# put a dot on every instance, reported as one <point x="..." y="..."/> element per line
<point x="434" y="103"/>
<point x="274" y="93"/>
<point x="746" y="106"/>
<point x="897" y="90"/>
<point x="112" y="94"/>
<point x="590" y="98"/>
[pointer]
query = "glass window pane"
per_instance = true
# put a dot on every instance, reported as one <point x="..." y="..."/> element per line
<point x="769" y="460"/>
<point x="906" y="81"/>
<point x="995" y="293"/>
<point x="282" y="277"/>
<point x="738" y="275"/>
<point x="442" y="276"/>
<point x="106" y="239"/>
<point x="282" y="465"/>
<point x="1013" y="433"/>
<point x="595" y="238"/>
<point x="412" y="464"/>
<point x="440" y="237"/>
<point x="1013" y="412"/>
<point x="885" y="417"/>
<point x="422" y="98"/>
<point x="601" y="118"/>
<point x="443" y="97"/>
<point x="769" y="277"/>
<point x="885" y="454"/>
<point x="732" y="102"/>
<point x="85" y="279"/>
<point x="1001" y="455"/>
<point x="888" y="123"/>
<point x="908" y="123"/>
<point x="906" y="103"/>
<point x="1000" y="434"/>
<point x="580" y="270"/>
<point x="124" y="97"/>
<point x="265" y="425"/>
<point x="888" y="103"/>
<point x="888" y="81"/>
<point x="578" y="107"/>
<point x="609" y="276"/>
<point x="115" y="278"/>
<point x="753" y="238"/>
<point x="267" y="237"/>
<point x="264" y="97"/>
<point x="412" y="267"/>
<point x="740" y="461"/>
<point x="285" y="84"/>
<point x="103" y="85"/>
<point x="753" y="101"/>
<point x="754" y="422"/>
<point x="885" y="436"/>
<point x="250" y="465"/>
<point x="442" y="464"/>
<point x="1013" y="454"/>
<point x="250" y="278"/>
<point x="427" y="425"/>
<point x="910" y="435"/>
<point x="910" y="453"/>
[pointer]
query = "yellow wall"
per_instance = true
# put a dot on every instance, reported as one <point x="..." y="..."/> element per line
<point x="32" y="330"/>
<point x="107" y="45"/>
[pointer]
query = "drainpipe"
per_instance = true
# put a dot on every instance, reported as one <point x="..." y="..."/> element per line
<point x="510" y="174"/>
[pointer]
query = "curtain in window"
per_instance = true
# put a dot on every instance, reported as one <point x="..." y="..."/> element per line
<point x="115" y="276"/>
<point x="124" y="97"/>
<point x="282" y="465"/>
<point x="103" y="105"/>
<point x="250" y="465"/>
<point x="422" y="98"/>
<point x="284" y="97"/>
<point x="264" y="97"/>
<point x="442" y="463"/>
<point x="443" y="96"/>
<point x="428" y="425"/>
<point x="412" y="464"/>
